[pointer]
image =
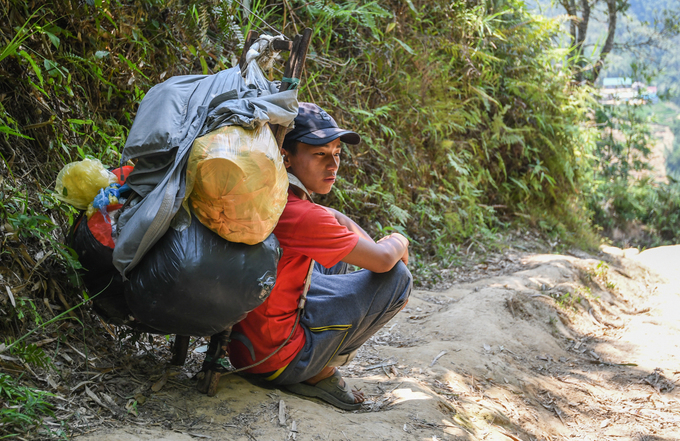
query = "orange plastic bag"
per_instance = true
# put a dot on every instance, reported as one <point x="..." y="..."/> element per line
<point x="237" y="183"/>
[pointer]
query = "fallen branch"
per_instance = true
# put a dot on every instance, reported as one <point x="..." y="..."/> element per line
<point x="440" y="355"/>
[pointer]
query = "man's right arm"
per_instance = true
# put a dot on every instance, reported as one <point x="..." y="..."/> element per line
<point x="379" y="257"/>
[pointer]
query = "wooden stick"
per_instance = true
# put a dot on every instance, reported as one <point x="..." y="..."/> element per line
<point x="293" y="70"/>
<point x="250" y="39"/>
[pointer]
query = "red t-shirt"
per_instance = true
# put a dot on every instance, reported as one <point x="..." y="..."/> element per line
<point x="305" y="231"/>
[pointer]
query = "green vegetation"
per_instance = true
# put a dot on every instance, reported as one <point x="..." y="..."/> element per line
<point x="649" y="39"/>
<point x="469" y="117"/>
<point x="673" y="156"/>
<point x="569" y="301"/>
<point x="464" y="126"/>
<point x="26" y="408"/>
<point x="469" y="124"/>
<point x="625" y="201"/>
<point x="663" y="112"/>
<point x="646" y="38"/>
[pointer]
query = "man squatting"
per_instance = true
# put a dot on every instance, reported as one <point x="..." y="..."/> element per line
<point x="343" y="309"/>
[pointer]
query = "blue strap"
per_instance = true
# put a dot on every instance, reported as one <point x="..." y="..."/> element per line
<point x="293" y="81"/>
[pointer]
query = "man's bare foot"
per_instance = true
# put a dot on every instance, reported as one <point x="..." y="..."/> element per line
<point x="329" y="371"/>
<point x="325" y="373"/>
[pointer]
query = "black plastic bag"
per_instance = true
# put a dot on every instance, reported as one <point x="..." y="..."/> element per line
<point x="102" y="280"/>
<point x="193" y="282"/>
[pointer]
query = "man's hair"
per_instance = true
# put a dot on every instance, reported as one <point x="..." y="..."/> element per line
<point x="290" y="146"/>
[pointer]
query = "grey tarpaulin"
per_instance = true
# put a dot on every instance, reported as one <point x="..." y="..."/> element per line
<point x="170" y="117"/>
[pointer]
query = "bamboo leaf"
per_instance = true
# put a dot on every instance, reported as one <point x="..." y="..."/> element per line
<point x="411" y="6"/>
<point x="53" y="38"/>
<point x="53" y="68"/>
<point x="485" y="96"/>
<point x="406" y="47"/>
<point x="36" y="68"/>
<point x="9" y="131"/>
<point x="16" y="41"/>
<point x="204" y="65"/>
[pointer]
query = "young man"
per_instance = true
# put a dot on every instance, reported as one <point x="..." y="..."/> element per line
<point x="299" y="350"/>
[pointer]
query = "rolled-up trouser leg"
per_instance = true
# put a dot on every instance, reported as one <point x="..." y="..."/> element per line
<point x="343" y="359"/>
<point x="342" y="312"/>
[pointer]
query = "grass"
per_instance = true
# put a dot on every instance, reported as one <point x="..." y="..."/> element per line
<point x="23" y="410"/>
<point x="569" y="300"/>
<point x="663" y="112"/>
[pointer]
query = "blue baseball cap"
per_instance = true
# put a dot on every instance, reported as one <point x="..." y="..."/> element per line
<point x="316" y="127"/>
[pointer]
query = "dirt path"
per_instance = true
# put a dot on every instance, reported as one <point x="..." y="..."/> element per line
<point x="556" y="347"/>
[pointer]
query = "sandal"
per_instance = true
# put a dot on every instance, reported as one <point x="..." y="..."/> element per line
<point x="329" y="390"/>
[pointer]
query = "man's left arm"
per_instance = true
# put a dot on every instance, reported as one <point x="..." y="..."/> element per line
<point x="349" y="223"/>
<point x="378" y="257"/>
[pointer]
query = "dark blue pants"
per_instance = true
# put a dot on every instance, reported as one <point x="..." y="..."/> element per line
<point x="344" y="310"/>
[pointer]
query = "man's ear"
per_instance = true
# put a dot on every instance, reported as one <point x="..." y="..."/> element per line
<point x="286" y="158"/>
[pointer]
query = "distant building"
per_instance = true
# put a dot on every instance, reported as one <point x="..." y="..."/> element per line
<point x="616" y="91"/>
<point x="616" y="83"/>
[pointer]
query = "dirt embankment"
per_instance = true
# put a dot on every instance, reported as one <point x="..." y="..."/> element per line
<point x="552" y="347"/>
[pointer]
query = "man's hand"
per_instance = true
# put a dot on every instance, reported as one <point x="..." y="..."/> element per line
<point x="403" y="240"/>
<point x="379" y="257"/>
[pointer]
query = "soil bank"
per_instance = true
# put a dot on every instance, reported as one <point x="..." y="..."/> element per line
<point x="553" y="347"/>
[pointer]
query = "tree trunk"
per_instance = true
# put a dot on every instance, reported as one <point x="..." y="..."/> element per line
<point x="581" y="38"/>
<point x="570" y="7"/>
<point x="609" y="43"/>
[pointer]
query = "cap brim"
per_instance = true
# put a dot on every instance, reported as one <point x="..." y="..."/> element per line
<point x="324" y="136"/>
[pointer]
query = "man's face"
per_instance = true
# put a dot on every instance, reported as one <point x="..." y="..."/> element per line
<point x="315" y="165"/>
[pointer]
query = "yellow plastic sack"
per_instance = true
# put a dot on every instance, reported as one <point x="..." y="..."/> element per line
<point x="237" y="183"/>
<point x="79" y="182"/>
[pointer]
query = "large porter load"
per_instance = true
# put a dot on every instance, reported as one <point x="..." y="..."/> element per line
<point x="190" y="252"/>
